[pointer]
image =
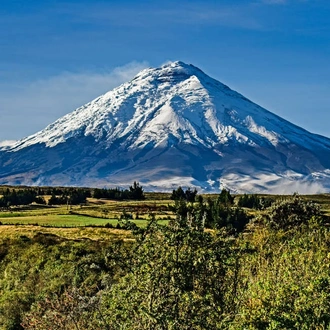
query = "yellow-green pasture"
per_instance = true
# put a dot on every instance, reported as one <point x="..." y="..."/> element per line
<point x="90" y="220"/>
<point x="77" y="233"/>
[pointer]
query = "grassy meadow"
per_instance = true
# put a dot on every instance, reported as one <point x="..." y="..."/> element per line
<point x="100" y="212"/>
<point x="95" y="213"/>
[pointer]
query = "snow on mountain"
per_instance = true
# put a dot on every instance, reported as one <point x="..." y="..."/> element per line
<point x="171" y="126"/>
<point x="6" y="144"/>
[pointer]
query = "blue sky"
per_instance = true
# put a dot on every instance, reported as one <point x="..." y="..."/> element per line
<point x="58" y="55"/>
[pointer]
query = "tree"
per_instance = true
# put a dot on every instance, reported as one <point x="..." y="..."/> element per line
<point x="19" y="197"/>
<point x="188" y="195"/>
<point x="181" y="278"/>
<point x="136" y="191"/>
<point x="178" y="194"/>
<point x="292" y="212"/>
<point x="254" y="202"/>
<point x="219" y="215"/>
<point x="225" y="197"/>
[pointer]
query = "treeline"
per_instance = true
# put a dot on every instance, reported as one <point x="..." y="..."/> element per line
<point x="188" y="195"/>
<point x="71" y="196"/>
<point x="215" y="213"/>
<point x="255" y="202"/>
<point x="247" y="200"/>
<point x="221" y="211"/>
<point x="74" y="196"/>
<point x="135" y="192"/>
<point x="20" y="197"/>
<point x="59" y="191"/>
<point x="64" y="196"/>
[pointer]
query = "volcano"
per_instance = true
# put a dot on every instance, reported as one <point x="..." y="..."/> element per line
<point x="168" y="127"/>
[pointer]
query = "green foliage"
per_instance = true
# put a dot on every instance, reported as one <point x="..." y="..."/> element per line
<point x="291" y="212"/>
<point x="71" y="197"/>
<point x="54" y="200"/>
<point x="181" y="278"/>
<point x="284" y="283"/>
<point x="274" y="275"/>
<point x="62" y="191"/>
<point x="215" y="214"/>
<point x="32" y="270"/>
<point x="188" y="195"/>
<point x="219" y="215"/>
<point x="254" y="202"/>
<point x="225" y="198"/>
<point x="134" y="192"/>
<point x="20" y="197"/>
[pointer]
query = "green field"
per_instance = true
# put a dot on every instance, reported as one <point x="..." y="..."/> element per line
<point x="101" y="212"/>
<point x="64" y="220"/>
<point x="57" y="220"/>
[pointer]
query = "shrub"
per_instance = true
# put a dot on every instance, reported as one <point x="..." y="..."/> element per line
<point x="291" y="212"/>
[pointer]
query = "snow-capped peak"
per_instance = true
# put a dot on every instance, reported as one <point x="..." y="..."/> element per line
<point x="7" y="144"/>
<point x="177" y="109"/>
<point x="177" y="99"/>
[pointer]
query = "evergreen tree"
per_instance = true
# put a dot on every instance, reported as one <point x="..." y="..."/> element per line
<point x="225" y="198"/>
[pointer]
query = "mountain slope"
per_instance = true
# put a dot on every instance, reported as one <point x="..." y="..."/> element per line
<point x="172" y="126"/>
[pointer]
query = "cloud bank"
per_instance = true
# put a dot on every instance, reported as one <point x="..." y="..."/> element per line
<point x="30" y="107"/>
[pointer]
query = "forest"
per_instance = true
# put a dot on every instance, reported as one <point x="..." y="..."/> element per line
<point x="163" y="261"/>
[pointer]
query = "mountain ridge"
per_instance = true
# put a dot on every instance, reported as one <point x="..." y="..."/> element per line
<point x="172" y="115"/>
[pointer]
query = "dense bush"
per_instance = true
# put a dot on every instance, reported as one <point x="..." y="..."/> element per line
<point x="225" y="198"/>
<point x="49" y="275"/>
<point x="219" y="215"/>
<point x="291" y="212"/>
<point x="214" y="214"/>
<point x="181" y="278"/>
<point x="284" y="283"/>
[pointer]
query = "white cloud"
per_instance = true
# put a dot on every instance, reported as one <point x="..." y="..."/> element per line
<point x="302" y="187"/>
<point x="29" y="108"/>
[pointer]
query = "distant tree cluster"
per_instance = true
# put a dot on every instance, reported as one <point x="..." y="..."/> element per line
<point x="72" y="197"/>
<point x="66" y="195"/>
<point x="254" y="202"/>
<point x="135" y="192"/>
<point x="59" y="191"/>
<point x="221" y="213"/>
<point x="180" y="194"/>
<point x="20" y="197"/>
<point x="215" y="214"/>
<point x="225" y="198"/>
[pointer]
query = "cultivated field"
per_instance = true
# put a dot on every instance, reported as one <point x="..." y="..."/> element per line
<point x="100" y="218"/>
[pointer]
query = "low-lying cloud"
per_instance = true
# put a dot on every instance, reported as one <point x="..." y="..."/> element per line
<point x="30" y="107"/>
